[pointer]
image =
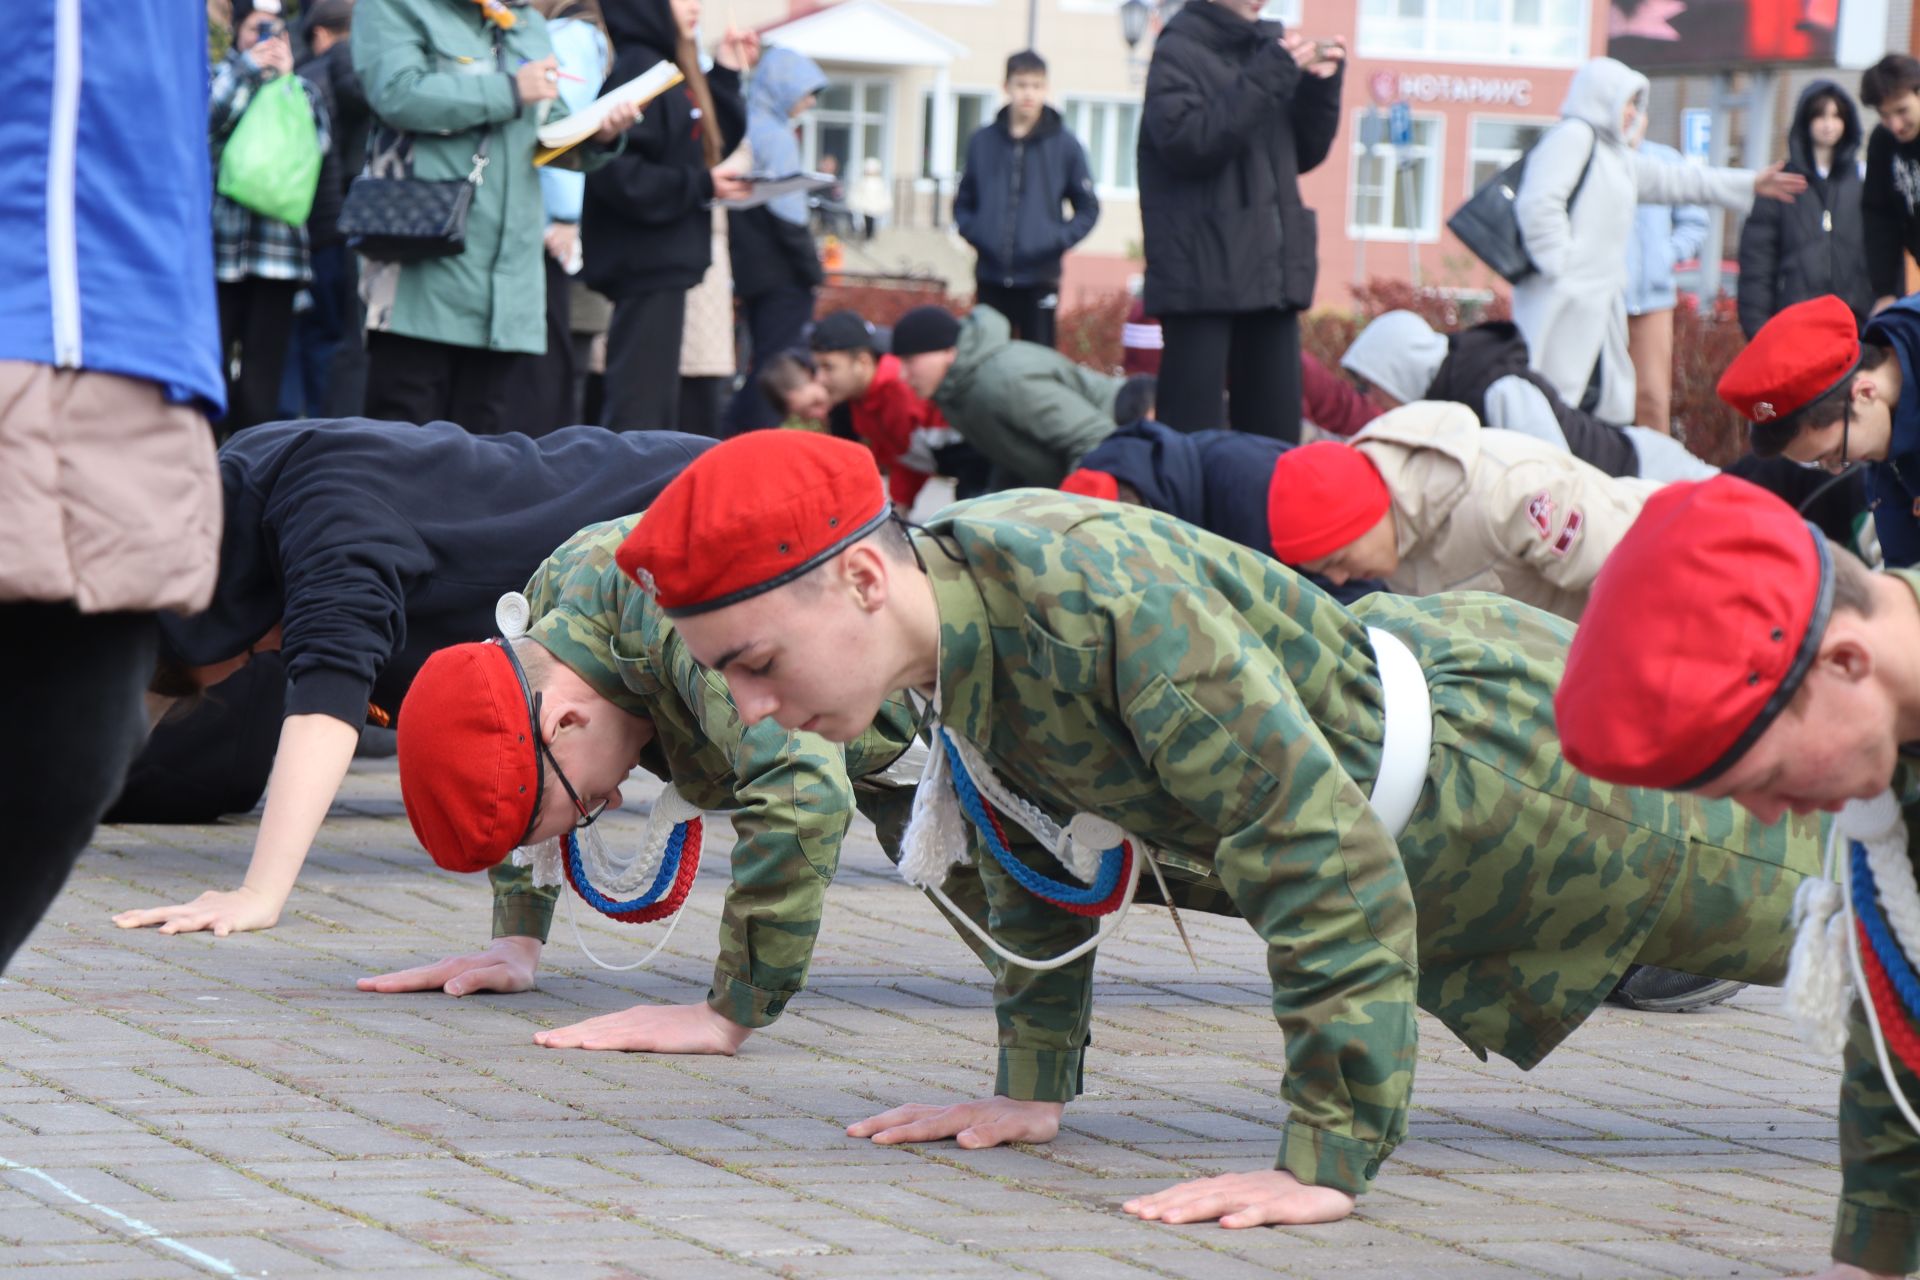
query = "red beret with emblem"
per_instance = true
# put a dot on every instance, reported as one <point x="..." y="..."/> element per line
<point x="1323" y="496"/>
<point x="751" y="514"/>
<point x="1698" y="632"/>
<point x="1092" y="484"/>
<point x="1804" y="352"/>
<point x="469" y="767"/>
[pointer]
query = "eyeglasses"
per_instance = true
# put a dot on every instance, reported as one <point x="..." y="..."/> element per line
<point x="542" y="752"/>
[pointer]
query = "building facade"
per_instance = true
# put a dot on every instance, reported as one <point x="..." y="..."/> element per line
<point x="1479" y="80"/>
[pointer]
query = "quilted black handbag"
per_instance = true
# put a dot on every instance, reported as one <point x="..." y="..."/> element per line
<point x="410" y="220"/>
<point x="391" y="218"/>
<point x="1486" y="223"/>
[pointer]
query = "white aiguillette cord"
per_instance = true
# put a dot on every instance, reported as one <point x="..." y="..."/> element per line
<point x="936" y="842"/>
<point x="513" y="614"/>
<point x="1825" y="974"/>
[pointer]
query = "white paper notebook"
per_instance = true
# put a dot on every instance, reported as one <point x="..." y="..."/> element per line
<point x="769" y="187"/>
<point x="570" y="131"/>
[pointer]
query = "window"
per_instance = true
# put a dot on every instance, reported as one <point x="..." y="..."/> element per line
<point x="1537" y="32"/>
<point x="851" y="125"/>
<point x="1496" y="143"/>
<point x="1396" y="190"/>
<point x="970" y="111"/>
<point x="1109" y="130"/>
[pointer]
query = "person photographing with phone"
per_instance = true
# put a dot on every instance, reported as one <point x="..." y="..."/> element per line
<point x="1236" y="110"/>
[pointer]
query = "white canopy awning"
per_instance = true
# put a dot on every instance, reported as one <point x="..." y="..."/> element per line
<point x="865" y="33"/>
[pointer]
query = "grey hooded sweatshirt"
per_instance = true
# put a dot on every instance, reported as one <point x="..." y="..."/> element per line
<point x="1572" y="311"/>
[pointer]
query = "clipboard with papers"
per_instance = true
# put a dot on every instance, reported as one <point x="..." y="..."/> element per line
<point x="560" y="136"/>
<point x="768" y="187"/>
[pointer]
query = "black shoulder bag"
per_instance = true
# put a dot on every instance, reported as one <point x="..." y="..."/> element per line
<point x="1486" y="223"/>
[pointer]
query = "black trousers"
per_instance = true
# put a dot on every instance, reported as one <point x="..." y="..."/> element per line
<point x="1251" y="358"/>
<point x="256" y="318"/>
<point x="412" y="380"/>
<point x="79" y="718"/>
<point x="703" y="403"/>
<point x="643" y="361"/>
<point x="775" y="321"/>
<point x="543" y="400"/>
<point x="1029" y="308"/>
<point x="213" y="758"/>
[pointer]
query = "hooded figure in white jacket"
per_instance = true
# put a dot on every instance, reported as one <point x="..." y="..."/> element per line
<point x="1572" y="311"/>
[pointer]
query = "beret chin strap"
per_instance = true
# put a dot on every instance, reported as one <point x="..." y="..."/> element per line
<point x="1789" y="683"/>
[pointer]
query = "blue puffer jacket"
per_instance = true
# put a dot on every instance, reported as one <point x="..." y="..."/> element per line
<point x="115" y="278"/>
<point x="1008" y="204"/>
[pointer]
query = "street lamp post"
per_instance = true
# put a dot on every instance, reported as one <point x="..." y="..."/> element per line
<point x="1135" y="17"/>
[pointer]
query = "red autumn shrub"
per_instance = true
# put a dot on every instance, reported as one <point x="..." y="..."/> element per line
<point x="1090" y="334"/>
<point x="882" y="303"/>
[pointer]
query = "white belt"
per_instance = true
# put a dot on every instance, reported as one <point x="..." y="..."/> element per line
<point x="1408" y="737"/>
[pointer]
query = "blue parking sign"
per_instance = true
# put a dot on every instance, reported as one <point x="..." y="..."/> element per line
<point x="1400" y="125"/>
<point x="1696" y="134"/>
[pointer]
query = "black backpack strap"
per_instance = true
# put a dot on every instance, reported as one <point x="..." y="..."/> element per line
<point x="1585" y="169"/>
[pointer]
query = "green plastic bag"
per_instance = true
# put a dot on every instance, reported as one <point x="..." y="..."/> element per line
<point x="271" y="163"/>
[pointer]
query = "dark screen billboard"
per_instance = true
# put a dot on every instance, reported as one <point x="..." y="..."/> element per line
<point x="1717" y="35"/>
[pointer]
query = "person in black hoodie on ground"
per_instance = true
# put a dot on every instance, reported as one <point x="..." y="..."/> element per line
<point x="646" y="232"/>
<point x="355" y="549"/>
<point x="1890" y="200"/>
<point x="1816" y="245"/>
<point x="1236" y="110"/>
<point x="1018" y="172"/>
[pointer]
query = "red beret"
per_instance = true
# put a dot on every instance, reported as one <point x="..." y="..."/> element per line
<point x="1798" y="356"/>
<point x="751" y="514"/>
<point x="1091" y="484"/>
<point x="1697" y="634"/>
<point x="1323" y="496"/>
<point x="469" y="768"/>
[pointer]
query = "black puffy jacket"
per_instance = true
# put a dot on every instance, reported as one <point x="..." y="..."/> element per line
<point x="644" y="222"/>
<point x="1816" y="245"/>
<point x="1228" y="126"/>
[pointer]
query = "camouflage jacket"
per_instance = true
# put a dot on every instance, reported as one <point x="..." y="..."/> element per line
<point x="1116" y="661"/>
<point x="1878" y="1226"/>
<point x="793" y="794"/>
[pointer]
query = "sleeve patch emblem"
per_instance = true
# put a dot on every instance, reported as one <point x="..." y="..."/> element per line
<point x="1564" y="543"/>
<point x="1540" y="512"/>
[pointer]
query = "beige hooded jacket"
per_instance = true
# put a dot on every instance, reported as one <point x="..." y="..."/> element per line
<point x="1486" y="510"/>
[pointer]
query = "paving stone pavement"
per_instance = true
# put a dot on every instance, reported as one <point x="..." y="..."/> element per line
<point x="186" y="1106"/>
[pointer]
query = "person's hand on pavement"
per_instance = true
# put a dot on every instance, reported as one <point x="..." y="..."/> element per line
<point x="973" y="1125"/>
<point x="508" y="965"/>
<point x="223" y="911"/>
<point x="1244" y="1200"/>
<point x="647" y="1028"/>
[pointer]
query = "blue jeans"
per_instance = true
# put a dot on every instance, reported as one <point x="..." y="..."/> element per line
<point x="317" y="333"/>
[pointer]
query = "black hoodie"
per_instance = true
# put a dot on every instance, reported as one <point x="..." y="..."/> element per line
<point x="1890" y="205"/>
<point x="644" y="223"/>
<point x="1816" y="245"/>
<point x="375" y="543"/>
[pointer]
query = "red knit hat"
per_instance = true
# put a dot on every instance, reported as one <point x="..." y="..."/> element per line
<point x="469" y="767"/>
<point x="751" y="514"/>
<point x="1092" y="484"/>
<point x="1323" y="496"/>
<point x="1804" y="352"/>
<point x="1698" y="632"/>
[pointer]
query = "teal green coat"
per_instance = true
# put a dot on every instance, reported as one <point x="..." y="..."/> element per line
<point x="430" y="71"/>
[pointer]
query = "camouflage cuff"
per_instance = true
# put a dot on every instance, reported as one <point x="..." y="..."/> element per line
<point x="743" y="1003"/>
<point x="1876" y="1239"/>
<point x="528" y="915"/>
<point x="1323" y="1159"/>
<point x="1039" y="1075"/>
